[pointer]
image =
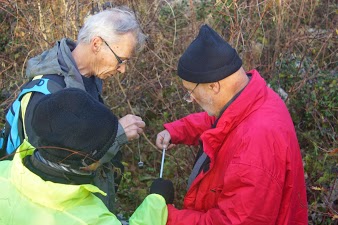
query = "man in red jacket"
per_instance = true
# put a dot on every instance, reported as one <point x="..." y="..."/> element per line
<point x="249" y="168"/>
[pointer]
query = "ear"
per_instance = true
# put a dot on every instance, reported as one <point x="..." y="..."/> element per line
<point x="96" y="44"/>
<point x="215" y="87"/>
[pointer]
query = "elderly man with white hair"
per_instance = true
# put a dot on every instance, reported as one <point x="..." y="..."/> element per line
<point x="106" y="42"/>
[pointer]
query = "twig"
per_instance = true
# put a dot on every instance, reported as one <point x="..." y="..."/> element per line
<point x="24" y="63"/>
<point x="131" y="109"/>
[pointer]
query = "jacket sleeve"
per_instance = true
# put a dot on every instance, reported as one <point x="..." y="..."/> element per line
<point x="188" y="129"/>
<point x="152" y="211"/>
<point x="249" y="196"/>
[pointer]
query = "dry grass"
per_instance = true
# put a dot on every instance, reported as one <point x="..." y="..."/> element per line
<point x="267" y="34"/>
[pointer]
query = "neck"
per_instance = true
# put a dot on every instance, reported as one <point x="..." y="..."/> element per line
<point x="239" y="81"/>
<point x="82" y="59"/>
<point x="230" y="87"/>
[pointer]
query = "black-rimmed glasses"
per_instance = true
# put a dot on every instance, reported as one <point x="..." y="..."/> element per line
<point x="119" y="60"/>
<point x="187" y="97"/>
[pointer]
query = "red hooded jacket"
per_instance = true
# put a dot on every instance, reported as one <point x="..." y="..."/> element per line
<point x="256" y="172"/>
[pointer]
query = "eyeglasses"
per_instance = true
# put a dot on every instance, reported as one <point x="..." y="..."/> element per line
<point x="119" y="60"/>
<point x="187" y="97"/>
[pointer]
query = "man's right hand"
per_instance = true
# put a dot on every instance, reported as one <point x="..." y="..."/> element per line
<point x="132" y="125"/>
<point x="163" y="140"/>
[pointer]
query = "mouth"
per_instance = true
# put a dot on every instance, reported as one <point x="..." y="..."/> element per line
<point x="114" y="73"/>
<point x="108" y="74"/>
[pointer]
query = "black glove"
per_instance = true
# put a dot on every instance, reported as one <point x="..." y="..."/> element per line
<point x="164" y="188"/>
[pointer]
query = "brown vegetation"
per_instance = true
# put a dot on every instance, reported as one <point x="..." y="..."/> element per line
<point x="292" y="43"/>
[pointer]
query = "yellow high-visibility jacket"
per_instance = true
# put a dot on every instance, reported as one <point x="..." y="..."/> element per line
<point x="27" y="199"/>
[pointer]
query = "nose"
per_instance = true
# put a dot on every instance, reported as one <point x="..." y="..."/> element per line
<point x="122" y="68"/>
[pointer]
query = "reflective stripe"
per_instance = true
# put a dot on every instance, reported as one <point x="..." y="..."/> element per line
<point x="42" y="85"/>
<point x="24" y="104"/>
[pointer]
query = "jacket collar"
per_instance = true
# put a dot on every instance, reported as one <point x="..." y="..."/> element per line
<point x="49" y="194"/>
<point x="57" y="60"/>
<point x="251" y="98"/>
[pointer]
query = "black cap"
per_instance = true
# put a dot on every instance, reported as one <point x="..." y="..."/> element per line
<point x="74" y="120"/>
<point x="209" y="58"/>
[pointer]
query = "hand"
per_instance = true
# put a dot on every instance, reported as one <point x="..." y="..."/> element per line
<point x="163" y="140"/>
<point x="132" y="125"/>
<point x="164" y="188"/>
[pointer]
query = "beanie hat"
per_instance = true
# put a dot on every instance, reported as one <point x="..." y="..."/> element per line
<point x="73" y="120"/>
<point x="208" y="58"/>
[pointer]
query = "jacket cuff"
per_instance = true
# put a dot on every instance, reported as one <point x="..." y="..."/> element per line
<point x="121" y="137"/>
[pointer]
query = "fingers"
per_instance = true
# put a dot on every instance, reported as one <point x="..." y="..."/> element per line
<point x="127" y="119"/>
<point x="163" y="140"/>
<point x="133" y="126"/>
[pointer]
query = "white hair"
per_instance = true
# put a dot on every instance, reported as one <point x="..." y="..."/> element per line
<point x="110" y="24"/>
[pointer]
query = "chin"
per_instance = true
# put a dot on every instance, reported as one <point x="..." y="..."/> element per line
<point x="105" y="76"/>
<point x="111" y="74"/>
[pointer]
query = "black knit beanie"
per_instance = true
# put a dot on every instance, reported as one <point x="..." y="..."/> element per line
<point x="74" y="120"/>
<point x="208" y="58"/>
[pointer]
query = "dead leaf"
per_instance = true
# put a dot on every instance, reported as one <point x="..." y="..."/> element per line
<point x="334" y="151"/>
<point x="316" y="188"/>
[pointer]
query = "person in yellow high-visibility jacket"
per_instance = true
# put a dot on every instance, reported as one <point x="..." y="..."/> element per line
<point x="52" y="184"/>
